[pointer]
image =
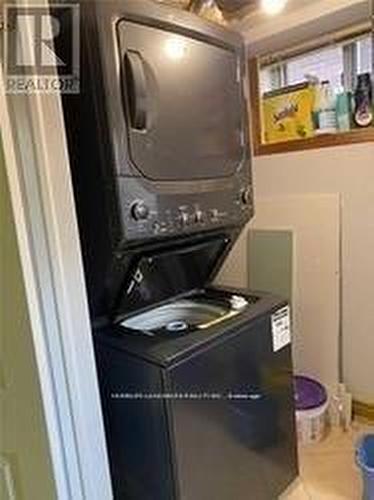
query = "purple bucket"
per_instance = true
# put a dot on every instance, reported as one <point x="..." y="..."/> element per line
<point x="309" y="394"/>
<point x="311" y="403"/>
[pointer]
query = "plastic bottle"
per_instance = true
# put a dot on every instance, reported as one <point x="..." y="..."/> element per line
<point x="327" y="114"/>
<point x="343" y="109"/>
<point x="363" y="113"/>
<point x="317" y="106"/>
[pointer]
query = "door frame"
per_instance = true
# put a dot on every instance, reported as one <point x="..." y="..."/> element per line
<point x="38" y="173"/>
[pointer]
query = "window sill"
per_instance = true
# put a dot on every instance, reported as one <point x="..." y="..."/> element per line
<point x="321" y="141"/>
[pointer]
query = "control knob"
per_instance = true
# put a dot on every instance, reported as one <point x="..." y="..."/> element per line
<point x="139" y="211"/>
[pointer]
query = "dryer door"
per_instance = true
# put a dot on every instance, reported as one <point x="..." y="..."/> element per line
<point x="183" y="101"/>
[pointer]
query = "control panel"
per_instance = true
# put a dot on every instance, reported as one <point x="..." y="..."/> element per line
<point x="148" y="215"/>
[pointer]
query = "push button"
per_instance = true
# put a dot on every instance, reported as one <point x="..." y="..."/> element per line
<point x="213" y="214"/>
<point x="183" y="218"/>
<point x="199" y="216"/>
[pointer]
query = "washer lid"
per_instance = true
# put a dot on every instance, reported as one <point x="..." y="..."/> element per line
<point x="159" y="275"/>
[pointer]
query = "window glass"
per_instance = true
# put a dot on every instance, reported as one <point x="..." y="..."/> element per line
<point x="328" y="63"/>
<point x="325" y="64"/>
<point x="364" y="55"/>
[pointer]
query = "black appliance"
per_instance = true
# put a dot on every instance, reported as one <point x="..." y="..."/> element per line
<point x="159" y="135"/>
<point x="197" y="403"/>
<point x="158" y="141"/>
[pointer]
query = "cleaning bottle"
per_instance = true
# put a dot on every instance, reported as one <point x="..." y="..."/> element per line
<point x="343" y="108"/>
<point x="327" y="114"/>
<point x="363" y="113"/>
<point x="317" y="88"/>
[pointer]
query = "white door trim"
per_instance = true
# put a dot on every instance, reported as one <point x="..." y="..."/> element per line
<point x="37" y="166"/>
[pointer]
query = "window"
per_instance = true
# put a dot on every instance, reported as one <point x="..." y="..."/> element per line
<point x="339" y="64"/>
<point x="305" y="99"/>
<point x="324" y="64"/>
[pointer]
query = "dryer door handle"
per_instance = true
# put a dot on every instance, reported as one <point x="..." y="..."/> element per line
<point x="135" y="89"/>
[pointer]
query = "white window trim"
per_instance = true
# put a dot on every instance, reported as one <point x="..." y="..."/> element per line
<point x="37" y="166"/>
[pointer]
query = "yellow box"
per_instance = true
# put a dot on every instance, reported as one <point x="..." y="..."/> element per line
<point x="288" y="113"/>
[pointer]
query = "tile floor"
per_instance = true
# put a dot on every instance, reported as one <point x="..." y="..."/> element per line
<point x="328" y="470"/>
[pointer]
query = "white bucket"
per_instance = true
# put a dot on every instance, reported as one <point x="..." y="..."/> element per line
<point x="312" y="425"/>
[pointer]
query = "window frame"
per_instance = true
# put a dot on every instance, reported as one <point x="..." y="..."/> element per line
<point x="356" y="136"/>
<point x="346" y="37"/>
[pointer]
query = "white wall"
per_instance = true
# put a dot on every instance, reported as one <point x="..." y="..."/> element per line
<point x="315" y="277"/>
<point x="302" y="21"/>
<point x="348" y="170"/>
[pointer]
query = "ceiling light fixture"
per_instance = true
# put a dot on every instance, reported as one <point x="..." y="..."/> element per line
<point x="273" y="7"/>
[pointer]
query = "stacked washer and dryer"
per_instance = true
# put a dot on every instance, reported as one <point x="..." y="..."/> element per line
<point x="196" y="381"/>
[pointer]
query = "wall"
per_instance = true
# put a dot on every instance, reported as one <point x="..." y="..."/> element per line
<point x="23" y="439"/>
<point x="348" y="170"/>
<point x="312" y="280"/>
<point x="315" y="277"/>
<point x="301" y="21"/>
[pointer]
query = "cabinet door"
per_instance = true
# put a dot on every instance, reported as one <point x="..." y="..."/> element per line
<point x="183" y="103"/>
<point x="227" y="446"/>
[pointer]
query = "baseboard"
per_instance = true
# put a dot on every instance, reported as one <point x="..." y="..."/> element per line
<point x="363" y="410"/>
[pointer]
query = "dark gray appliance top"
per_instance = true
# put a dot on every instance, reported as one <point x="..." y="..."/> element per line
<point x="167" y="350"/>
